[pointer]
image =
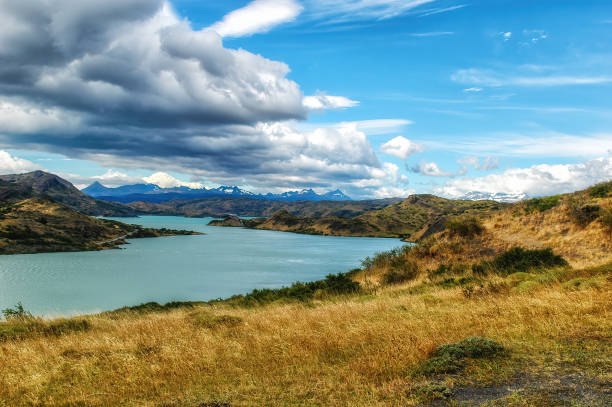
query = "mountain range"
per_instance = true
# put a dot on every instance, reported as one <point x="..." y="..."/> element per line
<point x="157" y="194"/>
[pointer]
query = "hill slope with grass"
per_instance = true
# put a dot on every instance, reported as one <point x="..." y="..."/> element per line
<point x="413" y="218"/>
<point x="40" y="184"/>
<point x="38" y="225"/>
<point x="496" y="310"/>
<point x="249" y="207"/>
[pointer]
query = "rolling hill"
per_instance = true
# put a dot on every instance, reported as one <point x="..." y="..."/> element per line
<point x="40" y="184"/>
<point x="222" y="206"/>
<point x="413" y="218"/>
<point x="37" y="225"/>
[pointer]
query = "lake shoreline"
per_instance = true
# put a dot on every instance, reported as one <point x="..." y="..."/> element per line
<point x="221" y="263"/>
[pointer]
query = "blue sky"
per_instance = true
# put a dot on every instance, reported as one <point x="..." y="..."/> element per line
<point x="451" y="97"/>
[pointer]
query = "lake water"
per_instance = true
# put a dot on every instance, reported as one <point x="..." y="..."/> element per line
<point x="223" y="262"/>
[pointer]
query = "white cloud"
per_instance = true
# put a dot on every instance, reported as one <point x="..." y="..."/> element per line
<point x="139" y="60"/>
<point x="538" y="180"/>
<point x="14" y="165"/>
<point x="355" y="10"/>
<point x="381" y="126"/>
<point x="322" y="101"/>
<point x="432" y="34"/>
<point x="401" y="147"/>
<point x="535" y="36"/>
<point x="544" y="144"/>
<point x="484" y="77"/>
<point x="112" y="178"/>
<point x="472" y="90"/>
<point x="256" y="17"/>
<point x="164" y="180"/>
<point x="506" y="35"/>
<point x="430" y="169"/>
<point x="442" y="10"/>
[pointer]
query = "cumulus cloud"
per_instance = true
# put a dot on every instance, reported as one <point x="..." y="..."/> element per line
<point x="131" y="61"/>
<point x="322" y="101"/>
<point x="539" y="180"/>
<point x="430" y="169"/>
<point x="165" y="180"/>
<point x="256" y="17"/>
<point x="401" y="147"/>
<point x="128" y="84"/>
<point x="14" y="165"/>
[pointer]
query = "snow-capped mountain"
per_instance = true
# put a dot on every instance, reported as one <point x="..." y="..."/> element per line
<point x="498" y="196"/>
<point x="154" y="193"/>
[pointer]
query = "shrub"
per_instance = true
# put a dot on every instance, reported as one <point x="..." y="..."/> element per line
<point x="606" y="218"/>
<point x="334" y="284"/>
<point x="541" y="204"/>
<point x="602" y="190"/>
<point x="581" y="212"/>
<point x="518" y="259"/>
<point x="464" y="226"/>
<point x="433" y="392"/>
<point x="210" y="321"/>
<point x="447" y="270"/>
<point x="401" y="270"/>
<point x="21" y="324"/>
<point x="385" y="259"/>
<point x="450" y="358"/>
<point x="18" y="313"/>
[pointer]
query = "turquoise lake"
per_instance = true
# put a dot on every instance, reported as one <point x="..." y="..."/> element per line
<point x="221" y="263"/>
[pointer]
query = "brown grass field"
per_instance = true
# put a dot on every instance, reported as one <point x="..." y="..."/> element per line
<point x="370" y="348"/>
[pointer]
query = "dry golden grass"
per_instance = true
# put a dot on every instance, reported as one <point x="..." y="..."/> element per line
<point x="357" y="351"/>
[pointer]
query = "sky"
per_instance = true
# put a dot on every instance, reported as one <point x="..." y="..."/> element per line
<point x="380" y="98"/>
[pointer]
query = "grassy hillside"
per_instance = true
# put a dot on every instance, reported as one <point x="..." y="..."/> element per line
<point x="413" y="218"/>
<point x="500" y="310"/>
<point x="41" y="225"/>
<point x="219" y="207"/>
<point x="39" y="184"/>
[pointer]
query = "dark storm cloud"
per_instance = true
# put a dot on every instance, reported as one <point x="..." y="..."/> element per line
<point x="127" y="83"/>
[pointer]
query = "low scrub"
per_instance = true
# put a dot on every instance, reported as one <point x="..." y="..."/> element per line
<point x="464" y="226"/>
<point x="386" y="259"/>
<point x="20" y="324"/>
<point x="150" y="307"/>
<point x="205" y="319"/>
<point x="518" y="260"/>
<point x="333" y="284"/>
<point x="541" y="204"/>
<point x="583" y="212"/>
<point x="602" y="190"/>
<point x="451" y="358"/>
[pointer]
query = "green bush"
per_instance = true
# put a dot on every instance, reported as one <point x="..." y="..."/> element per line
<point x="582" y="212"/>
<point x="17" y="313"/>
<point x="464" y="226"/>
<point x="20" y="324"/>
<point x="334" y="284"/>
<point x="385" y="259"/>
<point x="518" y="259"/>
<point x="448" y="270"/>
<point x="606" y="218"/>
<point x="602" y="190"/>
<point x="541" y="204"/>
<point x="450" y="358"/>
<point x="401" y="270"/>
